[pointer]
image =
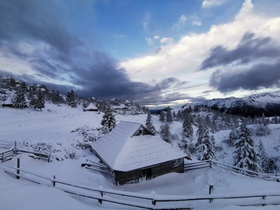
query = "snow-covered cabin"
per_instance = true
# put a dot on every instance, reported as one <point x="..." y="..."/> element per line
<point x="131" y="152"/>
<point x="120" y="107"/>
<point x="91" y="107"/>
<point x="8" y="103"/>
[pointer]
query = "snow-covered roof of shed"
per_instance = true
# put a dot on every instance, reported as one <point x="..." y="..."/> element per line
<point x="8" y="101"/>
<point x="91" y="106"/>
<point x="123" y="151"/>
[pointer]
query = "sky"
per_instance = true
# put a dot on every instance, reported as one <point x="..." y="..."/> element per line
<point x="154" y="52"/>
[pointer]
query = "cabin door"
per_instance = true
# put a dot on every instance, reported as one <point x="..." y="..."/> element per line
<point x="146" y="173"/>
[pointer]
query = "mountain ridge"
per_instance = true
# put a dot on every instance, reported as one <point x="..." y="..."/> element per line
<point x="249" y="106"/>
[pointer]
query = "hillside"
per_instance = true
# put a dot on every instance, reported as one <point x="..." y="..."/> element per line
<point x="55" y="126"/>
<point x="254" y="105"/>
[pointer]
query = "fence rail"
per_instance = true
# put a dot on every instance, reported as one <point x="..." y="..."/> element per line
<point x="7" y="155"/>
<point x="212" y="163"/>
<point x="11" y="149"/>
<point x="146" y="201"/>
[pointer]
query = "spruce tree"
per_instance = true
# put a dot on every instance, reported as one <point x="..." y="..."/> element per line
<point x="162" y="116"/>
<point x="263" y="157"/>
<point x="149" y="124"/>
<point x="206" y="150"/>
<point x="71" y="99"/>
<point x="108" y="121"/>
<point x="169" y="117"/>
<point x="19" y="99"/>
<point x="39" y="102"/>
<point x="187" y="128"/>
<point x="245" y="154"/>
<point x="165" y="132"/>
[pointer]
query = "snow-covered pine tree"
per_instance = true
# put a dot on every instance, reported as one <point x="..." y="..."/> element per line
<point x="149" y="125"/>
<point x="162" y="116"/>
<point x="233" y="136"/>
<point x="187" y="127"/>
<point x="19" y="99"/>
<point x="200" y="131"/>
<point x="245" y="154"/>
<point x="71" y="99"/>
<point x="169" y="117"/>
<point x="206" y="150"/>
<point x="108" y="121"/>
<point x="263" y="157"/>
<point x="39" y="102"/>
<point x="165" y="132"/>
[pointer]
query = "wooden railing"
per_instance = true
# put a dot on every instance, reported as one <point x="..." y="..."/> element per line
<point x="146" y="201"/>
<point x="212" y="163"/>
<point x="7" y="155"/>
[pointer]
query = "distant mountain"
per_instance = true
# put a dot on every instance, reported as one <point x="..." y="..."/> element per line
<point x="254" y="105"/>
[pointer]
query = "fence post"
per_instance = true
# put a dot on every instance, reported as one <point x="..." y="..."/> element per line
<point x="15" y="147"/>
<point x="18" y="166"/>
<point x="53" y="181"/>
<point x="102" y="193"/>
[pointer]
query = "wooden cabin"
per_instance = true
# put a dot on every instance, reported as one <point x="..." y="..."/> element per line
<point x="91" y="107"/>
<point x="132" y="153"/>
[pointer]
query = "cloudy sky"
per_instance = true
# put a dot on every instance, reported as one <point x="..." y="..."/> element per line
<point x="155" y="52"/>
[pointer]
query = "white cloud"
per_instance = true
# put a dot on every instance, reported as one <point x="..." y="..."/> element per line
<point x="146" y="20"/>
<point x="167" y="41"/>
<point x="212" y="3"/>
<point x="180" y="23"/>
<point x="156" y="37"/>
<point x="180" y="59"/>
<point x="149" y="41"/>
<point x="196" y="23"/>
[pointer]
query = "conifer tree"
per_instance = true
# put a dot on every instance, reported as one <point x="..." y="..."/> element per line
<point x="206" y="150"/>
<point x="71" y="99"/>
<point x="162" y="116"/>
<point x="263" y="157"/>
<point x="149" y="125"/>
<point x="245" y="154"/>
<point x="39" y="102"/>
<point x="19" y="99"/>
<point x="108" y="121"/>
<point x="165" y="132"/>
<point x="187" y="128"/>
<point x="169" y="117"/>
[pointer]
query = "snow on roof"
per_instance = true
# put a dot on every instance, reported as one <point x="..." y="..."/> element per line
<point x="8" y="101"/>
<point x="91" y="106"/>
<point x="124" y="152"/>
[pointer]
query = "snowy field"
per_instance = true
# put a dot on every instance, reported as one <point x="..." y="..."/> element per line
<point x="56" y="126"/>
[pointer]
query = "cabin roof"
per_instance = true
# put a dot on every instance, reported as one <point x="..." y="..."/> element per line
<point x="91" y="106"/>
<point x="121" y="150"/>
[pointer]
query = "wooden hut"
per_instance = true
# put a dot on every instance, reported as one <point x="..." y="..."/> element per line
<point x="8" y="103"/>
<point x="132" y="153"/>
<point x="91" y="107"/>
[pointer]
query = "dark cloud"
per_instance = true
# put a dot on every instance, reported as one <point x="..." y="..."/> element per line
<point x="32" y="20"/>
<point x="256" y="77"/>
<point x="249" y="49"/>
<point x="262" y="68"/>
<point x="34" y="31"/>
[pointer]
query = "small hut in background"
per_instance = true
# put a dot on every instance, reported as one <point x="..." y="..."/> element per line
<point x="91" y="107"/>
<point x="8" y="103"/>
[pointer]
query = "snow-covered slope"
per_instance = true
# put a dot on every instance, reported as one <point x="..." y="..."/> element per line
<point x="254" y="105"/>
<point x="60" y="126"/>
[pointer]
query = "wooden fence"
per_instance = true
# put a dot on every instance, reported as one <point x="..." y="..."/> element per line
<point x="7" y="155"/>
<point x="10" y="149"/>
<point x="211" y="163"/>
<point x="147" y="201"/>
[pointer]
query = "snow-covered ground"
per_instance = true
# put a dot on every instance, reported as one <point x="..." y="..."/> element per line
<point x="56" y="126"/>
